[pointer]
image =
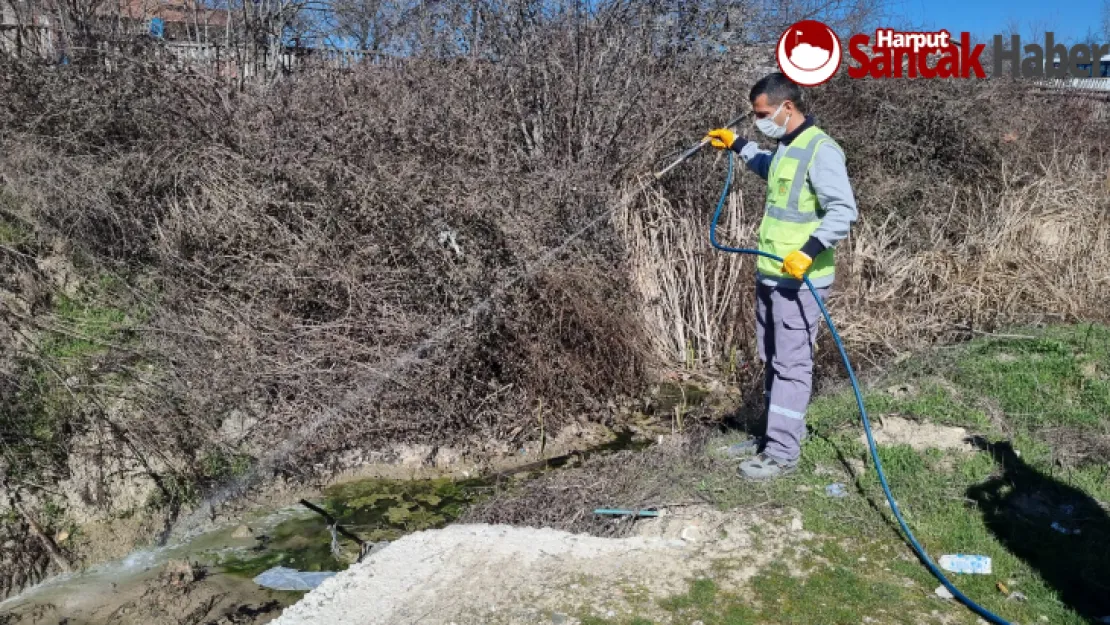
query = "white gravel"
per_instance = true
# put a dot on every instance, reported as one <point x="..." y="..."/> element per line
<point x="471" y="574"/>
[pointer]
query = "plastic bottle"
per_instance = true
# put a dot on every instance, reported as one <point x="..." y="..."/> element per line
<point x="961" y="563"/>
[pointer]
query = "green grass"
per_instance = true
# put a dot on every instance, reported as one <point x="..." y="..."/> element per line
<point x="12" y="232"/>
<point x="100" y="318"/>
<point x="705" y="601"/>
<point x="1042" y="382"/>
<point x="217" y="465"/>
<point x="85" y="328"/>
<point x="841" y="593"/>
<point x="1019" y="390"/>
<point x="79" y="332"/>
<point x="709" y="604"/>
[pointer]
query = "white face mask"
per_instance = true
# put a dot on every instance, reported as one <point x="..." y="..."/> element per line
<point x="768" y="126"/>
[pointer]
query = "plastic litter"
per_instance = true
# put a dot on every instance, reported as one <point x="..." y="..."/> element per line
<point x="621" y="512"/>
<point x="1017" y="596"/>
<point x="1064" y="530"/>
<point x="942" y="592"/>
<point x="961" y="563"/>
<point x="283" y="578"/>
<point x="836" y="490"/>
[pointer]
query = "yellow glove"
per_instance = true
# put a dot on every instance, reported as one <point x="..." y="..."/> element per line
<point x="796" y="264"/>
<point x="721" y="138"/>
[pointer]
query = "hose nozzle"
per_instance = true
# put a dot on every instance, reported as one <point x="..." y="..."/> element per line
<point x="696" y="148"/>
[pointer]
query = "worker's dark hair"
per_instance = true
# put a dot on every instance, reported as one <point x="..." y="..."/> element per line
<point x="778" y="88"/>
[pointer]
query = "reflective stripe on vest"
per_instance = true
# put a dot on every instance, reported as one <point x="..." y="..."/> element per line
<point x="791" y="210"/>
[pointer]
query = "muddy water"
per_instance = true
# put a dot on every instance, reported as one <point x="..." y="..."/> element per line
<point x="83" y="593"/>
<point x="292" y="536"/>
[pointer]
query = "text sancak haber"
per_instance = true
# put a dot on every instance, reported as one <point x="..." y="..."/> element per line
<point x="897" y="54"/>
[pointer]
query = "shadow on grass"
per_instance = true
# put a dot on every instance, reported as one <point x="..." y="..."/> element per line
<point x="1020" y="505"/>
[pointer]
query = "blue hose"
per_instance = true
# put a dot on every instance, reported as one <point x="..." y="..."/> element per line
<point x="962" y="598"/>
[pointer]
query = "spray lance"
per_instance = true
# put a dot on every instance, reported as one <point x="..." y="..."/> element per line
<point x="897" y="512"/>
<point x="697" y="148"/>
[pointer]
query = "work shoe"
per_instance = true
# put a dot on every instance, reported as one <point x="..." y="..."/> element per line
<point x="744" y="449"/>
<point x="764" y="467"/>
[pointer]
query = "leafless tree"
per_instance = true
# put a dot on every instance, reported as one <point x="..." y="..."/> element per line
<point x="1106" y="20"/>
<point x="370" y="24"/>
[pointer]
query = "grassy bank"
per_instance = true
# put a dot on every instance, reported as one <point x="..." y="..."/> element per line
<point x="1037" y="403"/>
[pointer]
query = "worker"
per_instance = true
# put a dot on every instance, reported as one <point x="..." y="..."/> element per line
<point x="809" y="208"/>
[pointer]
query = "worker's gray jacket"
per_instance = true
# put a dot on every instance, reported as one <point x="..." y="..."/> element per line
<point x="828" y="178"/>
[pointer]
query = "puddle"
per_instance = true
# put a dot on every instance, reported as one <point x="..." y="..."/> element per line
<point x="672" y="394"/>
<point x="374" y="510"/>
<point x="295" y="537"/>
<point x="101" y="580"/>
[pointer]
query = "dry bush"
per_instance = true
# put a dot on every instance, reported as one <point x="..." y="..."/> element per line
<point x="695" y="300"/>
<point x="351" y="267"/>
<point x="425" y="250"/>
<point x="977" y="209"/>
<point x="22" y="561"/>
<point x="661" y="476"/>
<point x="414" y="251"/>
<point x="990" y="220"/>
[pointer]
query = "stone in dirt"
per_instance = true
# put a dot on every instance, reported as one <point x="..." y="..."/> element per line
<point x="891" y="430"/>
<point x="902" y="390"/>
<point x="181" y="572"/>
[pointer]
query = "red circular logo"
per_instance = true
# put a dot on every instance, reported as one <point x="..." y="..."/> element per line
<point x="808" y="53"/>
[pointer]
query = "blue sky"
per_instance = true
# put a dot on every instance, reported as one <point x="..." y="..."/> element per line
<point x="1069" y="19"/>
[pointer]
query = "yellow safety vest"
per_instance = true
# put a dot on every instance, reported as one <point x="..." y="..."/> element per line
<point x="792" y="212"/>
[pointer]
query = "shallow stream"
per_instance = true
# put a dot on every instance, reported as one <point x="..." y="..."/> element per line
<point x="295" y="537"/>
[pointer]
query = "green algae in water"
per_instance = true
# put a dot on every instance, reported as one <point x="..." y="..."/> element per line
<point x="302" y="544"/>
<point x="375" y="510"/>
<point x="388" y="509"/>
<point x="673" y="394"/>
<point x="378" y="510"/>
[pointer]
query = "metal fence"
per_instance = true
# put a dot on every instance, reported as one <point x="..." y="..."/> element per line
<point x="1090" y="85"/>
<point x="229" y="61"/>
